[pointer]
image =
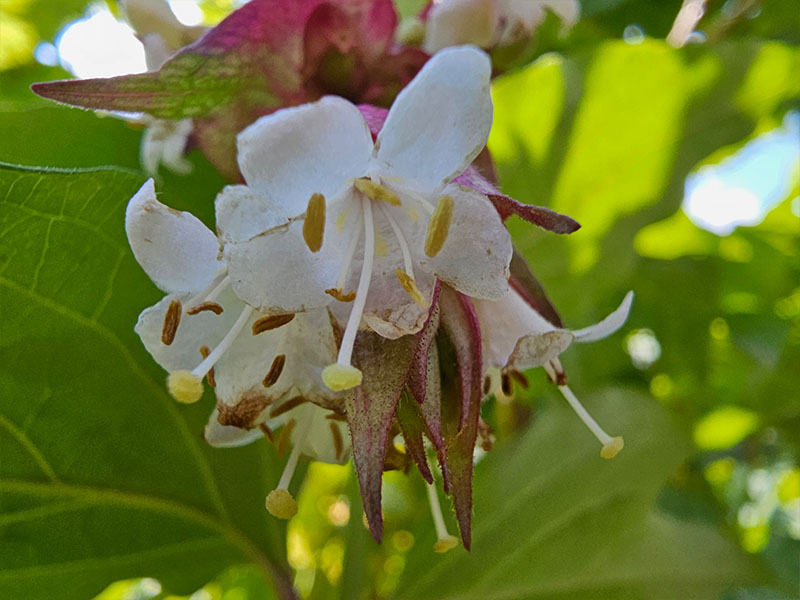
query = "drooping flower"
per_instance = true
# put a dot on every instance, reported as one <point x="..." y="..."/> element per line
<point x="522" y="331"/>
<point x="265" y="369"/>
<point x="491" y="23"/>
<point x="331" y="217"/>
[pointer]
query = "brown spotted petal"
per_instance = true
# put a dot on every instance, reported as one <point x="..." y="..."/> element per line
<point x="459" y="345"/>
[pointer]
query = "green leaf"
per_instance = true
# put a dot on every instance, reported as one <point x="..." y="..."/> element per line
<point x="102" y="476"/>
<point x="553" y="520"/>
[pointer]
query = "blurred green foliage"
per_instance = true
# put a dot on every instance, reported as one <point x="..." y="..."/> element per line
<point x="102" y="478"/>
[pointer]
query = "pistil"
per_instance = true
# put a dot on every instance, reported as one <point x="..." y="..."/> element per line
<point x="280" y="502"/>
<point x="187" y="386"/>
<point x="445" y="541"/>
<point x="341" y="375"/>
<point x="611" y="445"/>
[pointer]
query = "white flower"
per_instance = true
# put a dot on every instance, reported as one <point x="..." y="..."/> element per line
<point x="161" y="34"/>
<point x="490" y="23"/>
<point x="516" y="337"/>
<point x="264" y="369"/>
<point x="329" y="217"/>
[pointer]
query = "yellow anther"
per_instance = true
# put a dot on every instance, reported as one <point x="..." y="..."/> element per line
<point x="446" y="543"/>
<point x="185" y="386"/>
<point x="340" y="295"/>
<point x="612" y="448"/>
<point x="376" y="191"/>
<point x="314" y="224"/>
<point x="410" y="286"/>
<point x="280" y="504"/>
<point x="439" y="226"/>
<point x="341" y="377"/>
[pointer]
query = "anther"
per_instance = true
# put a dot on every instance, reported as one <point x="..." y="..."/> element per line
<point x="284" y="435"/>
<point x="185" y="386"/>
<point x="267" y="432"/>
<point x="338" y="443"/>
<point x="439" y="226"/>
<point x="519" y="378"/>
<point x="171" y="321"/>
<point x="505" y="384"/>
<point x="272" y="322"/>
<point x="487" y="385"/>
<point x="279" y="501"/>
<point x="376" y="191"/>
<point x="204" y="352"/>
<point x="287" y="406"/>
<point x="340" y="296"/>
<point x="314" y="223"/>
<point x="410" y="286"/>
<point x="275" y="370"/>
<point x="612" y="448"/>
<point x="211" y="306"/>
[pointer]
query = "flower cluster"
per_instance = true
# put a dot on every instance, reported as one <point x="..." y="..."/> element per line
<point x="361" y="284"/>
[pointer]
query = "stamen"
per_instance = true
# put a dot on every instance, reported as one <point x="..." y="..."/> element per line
<point x="279" y="501"/>
<point x="376" y="191"/>
<point x="204" y="367"/>
<point x="439" y="226"/>
<point x="351" y="251"/>
<point x="272" y="322"/>
<point x="519" y="378"/>
<point x="284" y="436"/>
<point x="505" y="384"/>
<point x="214" y="294"/>
<point x="342" y="375"/>
<point x="446" y="541"/>
<point x="338" y="443"/>
<point x="427" y="206"/>
<point x="401" y="240"/>
<point x="410" y="287"/>
<point x="287" y="406"/>
<point x="204" y="352"/>
<point x="336" y="417"/>
<point x="611" y="446"/>
<point x="171" y="321"/>
<point x="314" y="223"/>
<point x="267" y="432"/>
<point x="341" y="297"/>
<point x="212" y="306"/>
<point x="275" y="371"/>
<point x="210" y="293"/>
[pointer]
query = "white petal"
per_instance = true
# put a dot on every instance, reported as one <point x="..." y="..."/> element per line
<point x="308" y="345"/>
<point x="440" y="122"/>
<point x="569" y="11"/>
<point x="608" y="325"/>
<point x="278" y="273"/>
<point x="194" y="331"/>
<point x="476" y="255"/>
<point x="389" y="310"/>
<point x="456" y="22"/>
<point x="174" y="248"/>
<point x="242" y="213"/>
<point x="296" y="152"/>
<point x="506" y="322"/>
<point x="228" y="436"/>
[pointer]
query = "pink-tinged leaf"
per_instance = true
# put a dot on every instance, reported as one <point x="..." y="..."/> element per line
<point x="411" y="427"/>
<point x="370" y="410"/>
<point x="266" y="55"/>
<point x="525" y="283"/>
<point x="537" y="215"/>
<point x="460" y="355"/>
